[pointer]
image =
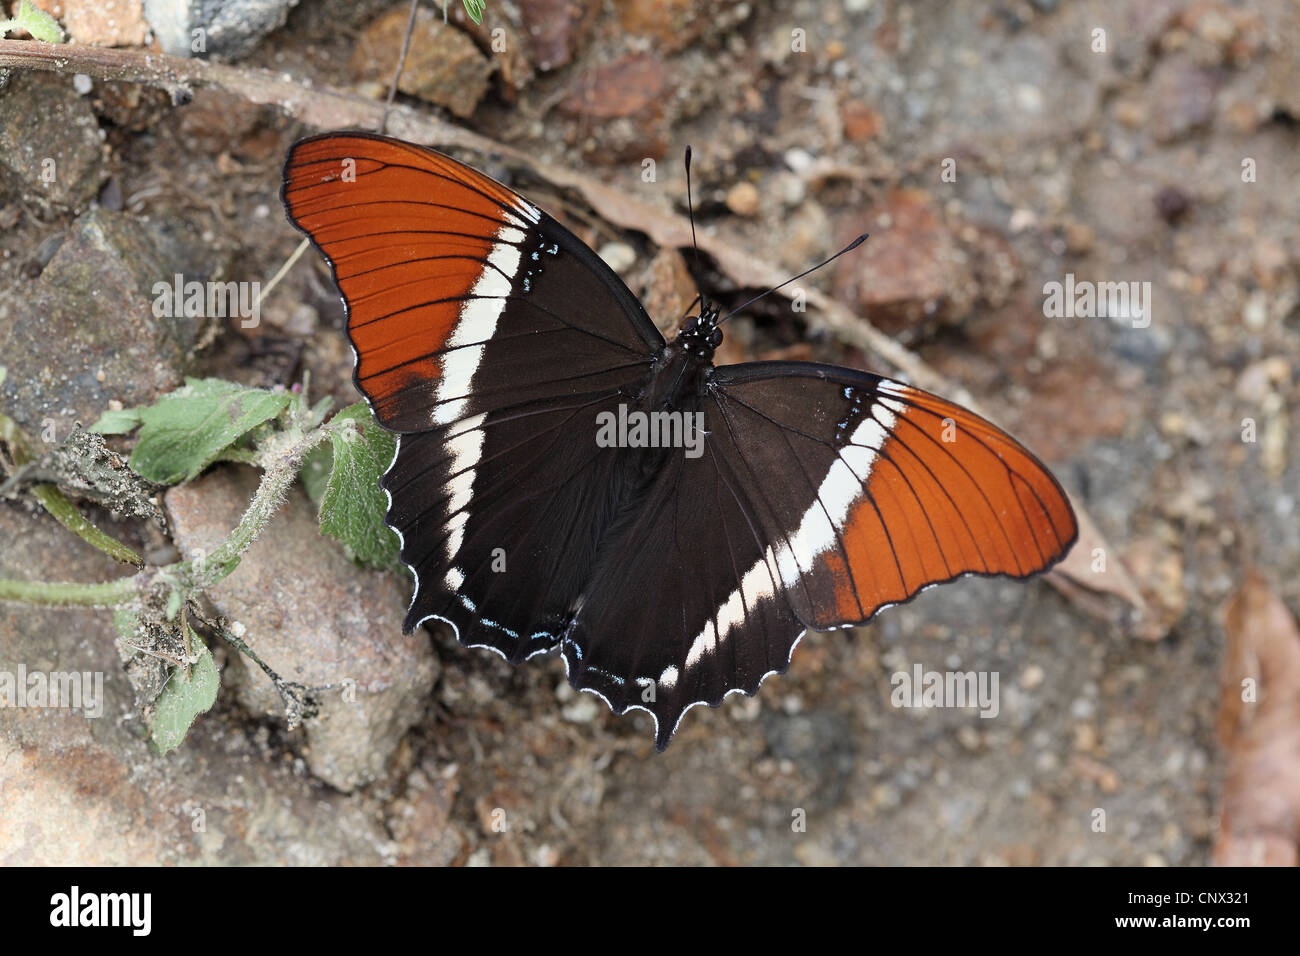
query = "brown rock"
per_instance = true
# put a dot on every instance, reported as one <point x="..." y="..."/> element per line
<point x="861" y="122"/>
<point x="909" y="268"/>
<point x="1079" y="238"/>
<point x="554" y="29"/>
<point x="499" y="40"/>
<point x="79" y="790"/>
<point x="676" y="24"/>
<point x="632" y="85"/>
<point x="84" y="333"/>
<point x="50" y="150"/>
<point x="100" y="22"/>
<point x="215" y="121"/>
<point x="743" y="199"/>
<point x="316" y="619"/>
<point x="443" y="67"/>
<point x="667" y="289"/>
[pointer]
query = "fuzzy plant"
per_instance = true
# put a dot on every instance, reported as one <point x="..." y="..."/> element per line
<point x="160" y="613"/>
<point x="32" y="19"/>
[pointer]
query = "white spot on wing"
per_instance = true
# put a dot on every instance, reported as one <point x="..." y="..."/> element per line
<point x="476" y="324"/>
<point x="466" y="449"/>
<point x="527" y="210"/>
<point x="756" y="586"/>
<point x="815" y="535"/>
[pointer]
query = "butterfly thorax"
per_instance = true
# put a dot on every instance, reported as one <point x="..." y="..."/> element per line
<point x="684" y="364"/>
<point x="699" y="335"/>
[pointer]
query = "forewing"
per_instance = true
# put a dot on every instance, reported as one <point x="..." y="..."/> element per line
<point x="875" y="490"/>
<point x="462" y="297"/>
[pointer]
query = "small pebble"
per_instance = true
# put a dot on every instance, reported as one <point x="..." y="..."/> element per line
<point x="743" y="199"/>
<point x="1172" y="204"/>
<point x="619" y="256"/>
<point x="1032" y="677"/>
<point x="800" y="160"/>
<point x="583" y="710"/>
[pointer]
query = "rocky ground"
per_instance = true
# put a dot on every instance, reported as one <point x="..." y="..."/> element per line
<point x="989" y="148"/>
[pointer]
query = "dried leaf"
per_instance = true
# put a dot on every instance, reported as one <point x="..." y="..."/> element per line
<point x="1259" y="726"/>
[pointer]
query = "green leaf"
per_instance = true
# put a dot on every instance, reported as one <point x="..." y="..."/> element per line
<point x="125" y="621"/>
<point x="352" y="506"/>
<point x="475" y="9"/>
<point x="315" y="471"/>
<point x="185" y="431"/>
<point x="35" y="21"/>
<point x="117" y="422"/>
<point x="184" y="698"/>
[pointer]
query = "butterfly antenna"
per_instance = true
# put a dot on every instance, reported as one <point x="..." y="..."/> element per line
<point x="849" y="248"/>
<point x="690" y="211"/>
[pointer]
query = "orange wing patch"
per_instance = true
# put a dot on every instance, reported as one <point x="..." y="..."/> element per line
<point x="408" y="233"/>
<point x="945" y="493"/>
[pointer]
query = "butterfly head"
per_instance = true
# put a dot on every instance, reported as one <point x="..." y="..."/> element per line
<point x="699" y="335"/>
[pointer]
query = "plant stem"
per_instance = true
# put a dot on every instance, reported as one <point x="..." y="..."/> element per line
<point x="297" y="699"/>
<point x="72" y="593"/>
<point x="281" y="468"/>
<point x="55" y="502"/>
<point x="281" y="462"/>
<point x="67" y="515"/>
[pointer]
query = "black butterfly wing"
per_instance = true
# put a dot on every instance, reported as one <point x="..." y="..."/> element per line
<point x="822" y="496"/>
<point x="462" y="296"/>
<point x="875" y="489"/>
<point x="489" y="337"/>
<point x="500" y="516"/>
<point x="683" y="606"/>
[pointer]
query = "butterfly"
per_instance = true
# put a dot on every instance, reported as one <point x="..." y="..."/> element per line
<point x="526" y="385"/>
